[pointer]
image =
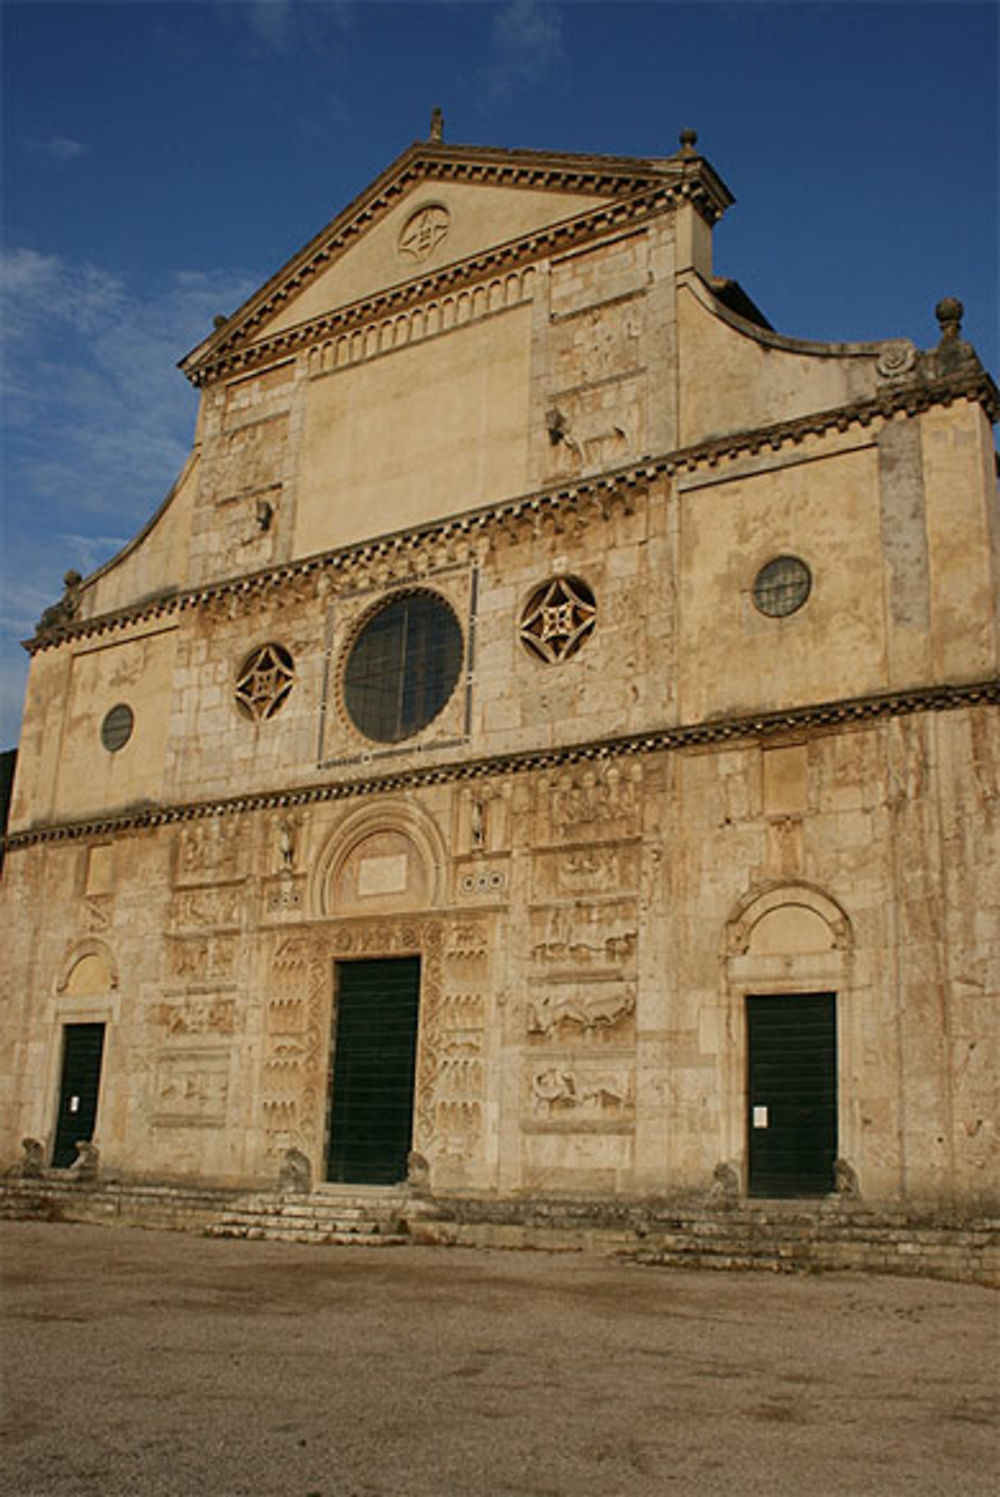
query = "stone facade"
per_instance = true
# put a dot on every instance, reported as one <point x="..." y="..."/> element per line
<point x="509" y="384"/>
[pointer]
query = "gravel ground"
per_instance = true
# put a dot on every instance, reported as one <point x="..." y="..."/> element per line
<point x="147" y="1363"/>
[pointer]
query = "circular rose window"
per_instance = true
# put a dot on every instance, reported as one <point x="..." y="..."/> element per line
<point x="402" y="667"/>
<point x="781" y="587"/>
<point x="116" y="729"/>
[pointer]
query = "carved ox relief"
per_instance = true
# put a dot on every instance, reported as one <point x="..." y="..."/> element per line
<point x="601" y="1011"/>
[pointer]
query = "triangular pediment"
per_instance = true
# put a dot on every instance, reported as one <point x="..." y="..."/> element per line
<point x="435" y="207"/>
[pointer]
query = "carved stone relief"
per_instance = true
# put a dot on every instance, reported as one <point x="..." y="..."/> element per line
<point x="283" y="896"/>
<point x="604" y="799"/>
<point x="585" y="870"/>
<point x="295" y="1046"/>
<point x="598" y="936"/>
<point x="208" y="851"/>
<point x="481" y="881"/>
<point x="207" y="908"/>
<point x="95" y="911"/>
<point x="579" y="1097"/>
<point x="588" y="1013"/>
<point x="204" y="959"/>
<point x="208" y="1014"/>
<point x="192" y="1087"/>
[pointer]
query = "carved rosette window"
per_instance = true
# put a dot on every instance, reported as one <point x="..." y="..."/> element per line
<point x="559" y="616"/>
<point x="264" y="681"/>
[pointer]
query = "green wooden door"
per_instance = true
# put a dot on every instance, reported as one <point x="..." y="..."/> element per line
<point x="792" y="1093"/>
<point x="374" y="1064"/>
<point x="83" y="1051"/>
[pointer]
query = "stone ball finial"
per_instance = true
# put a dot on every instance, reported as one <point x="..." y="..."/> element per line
<point x="219" y="320"/>
<point x="949" y="313"/>
<point x="437" y="126"/>
<point x="688" y="139"/>
<point x="71" y="579"/>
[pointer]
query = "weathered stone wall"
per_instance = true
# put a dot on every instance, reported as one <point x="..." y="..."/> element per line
<point x="588" y="935"/>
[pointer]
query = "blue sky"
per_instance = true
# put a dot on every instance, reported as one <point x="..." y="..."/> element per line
<point x="161" y="160"/>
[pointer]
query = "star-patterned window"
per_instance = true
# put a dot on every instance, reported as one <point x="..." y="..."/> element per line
<point x="558" y="618"/>
<point x="264" y="680"/>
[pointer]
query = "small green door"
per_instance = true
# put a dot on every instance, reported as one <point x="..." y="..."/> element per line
<point x="374" y="1066"/>
<point x="792" y="1093"/>
<point x="83" y="1051"/>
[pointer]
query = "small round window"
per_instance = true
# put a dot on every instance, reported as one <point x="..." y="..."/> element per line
<point x="116" y="729"/>
<point x="557" y="619"/>
<point x="781" y="587"/>
<point x="263" y="682"/>
<point x="402" y="667"/>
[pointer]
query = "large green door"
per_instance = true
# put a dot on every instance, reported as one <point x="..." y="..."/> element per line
<point x="83" y="1050"/>
<point x="374" y="1063"/>
<point x="792" y="1093"/>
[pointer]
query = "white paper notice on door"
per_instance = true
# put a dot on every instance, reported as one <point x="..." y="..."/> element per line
<point x="760" y="1117"/>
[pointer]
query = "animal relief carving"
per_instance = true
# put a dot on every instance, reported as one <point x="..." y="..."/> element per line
<point x="561" y="1092"/>
<point x="606" y="1009"/>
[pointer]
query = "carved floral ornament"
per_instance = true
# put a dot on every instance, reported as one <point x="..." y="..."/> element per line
<point x="557" y="619"/>
<point x="422" y="232"/>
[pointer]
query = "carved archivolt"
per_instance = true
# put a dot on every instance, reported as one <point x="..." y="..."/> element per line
<point x="88" y="968"/>
<point x="391" y="853"/>
<point x="787" y="919"/>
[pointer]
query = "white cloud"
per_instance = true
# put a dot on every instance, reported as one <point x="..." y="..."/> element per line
<point x="59" y="148"/>
<point x="98" y="421"/>
<point x="293" y="25"/>
<point x="526" y="42"/>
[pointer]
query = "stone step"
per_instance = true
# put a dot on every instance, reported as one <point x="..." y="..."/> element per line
<point x="263" y="1231"/>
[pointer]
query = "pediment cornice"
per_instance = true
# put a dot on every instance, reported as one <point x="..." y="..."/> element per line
<point x="633" y="189"/>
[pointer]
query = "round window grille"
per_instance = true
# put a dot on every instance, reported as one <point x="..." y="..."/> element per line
<point x="116" y="729"/>
<point x="265" y="678"/>
<point x="782" y="586"/>
<point x="558" y="617"/>
<point x="402" y="667"/>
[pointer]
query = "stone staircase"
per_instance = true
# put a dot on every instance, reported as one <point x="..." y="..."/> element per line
<point x="790" y="1236"/>
<point x="344" y="1216"/>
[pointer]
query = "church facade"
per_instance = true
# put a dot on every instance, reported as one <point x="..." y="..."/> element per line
<point x="546" y="741"/>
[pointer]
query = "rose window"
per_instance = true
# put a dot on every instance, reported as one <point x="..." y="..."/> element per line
<point x="559" y="616"/>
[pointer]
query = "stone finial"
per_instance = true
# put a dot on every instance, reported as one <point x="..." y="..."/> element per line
<point x="949" y="313"/>
<point x="952" y="355"/>
<point x="219" y="320"/>
<point x="436" y="136"/>
<point x="71" y="580"/>
<point x="688" y="139"/>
